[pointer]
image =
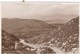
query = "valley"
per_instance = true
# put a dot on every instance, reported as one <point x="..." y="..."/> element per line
<point x="40" y="37"/>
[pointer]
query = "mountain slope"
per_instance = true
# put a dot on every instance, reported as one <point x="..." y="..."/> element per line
<point x="25" y="28"/>
<point x="67" y="36"/>
<point x="8" y="40"/>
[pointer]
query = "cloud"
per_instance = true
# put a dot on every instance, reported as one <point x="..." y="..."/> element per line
<point x="41" y="11"/>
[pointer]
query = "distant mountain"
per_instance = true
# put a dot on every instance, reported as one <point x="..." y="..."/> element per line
<point x="57" y="25"/>
<point x="25" y="28"/>
<point x="8" y="40"/>
<point x="57" y="21"/>
<point x="67" y="37"/>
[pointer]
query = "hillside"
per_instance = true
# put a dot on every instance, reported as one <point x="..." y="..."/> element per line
<point x="8" y="40"/>
<point x="67" y="37"/>
<point x="25" y="28"/>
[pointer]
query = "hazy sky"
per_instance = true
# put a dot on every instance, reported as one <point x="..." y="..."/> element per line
<point x="41" y="11"/>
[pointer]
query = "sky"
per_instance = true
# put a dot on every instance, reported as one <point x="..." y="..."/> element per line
<point x="40" y="10"/>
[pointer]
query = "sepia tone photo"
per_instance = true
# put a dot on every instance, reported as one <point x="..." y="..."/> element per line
<point x="40" y="28"/>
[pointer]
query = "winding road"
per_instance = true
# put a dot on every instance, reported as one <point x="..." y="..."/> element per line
<point x="58" y="51"/>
